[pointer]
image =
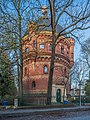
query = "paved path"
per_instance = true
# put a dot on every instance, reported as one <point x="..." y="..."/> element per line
<point x="16" y="112"/>
<point x="77" y="115"/>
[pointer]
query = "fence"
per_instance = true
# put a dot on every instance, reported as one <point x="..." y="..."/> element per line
<point x="33" y="99"/>
<point x="37" y="99"/>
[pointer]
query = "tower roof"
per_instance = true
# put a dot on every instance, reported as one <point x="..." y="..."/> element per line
<point x="44" y="24"/>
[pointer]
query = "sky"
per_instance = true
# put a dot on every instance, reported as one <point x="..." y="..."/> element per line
<point x="86" y="34"/>
<point x="77" y="46"/>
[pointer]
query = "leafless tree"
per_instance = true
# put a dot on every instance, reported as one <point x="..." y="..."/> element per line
<point x="80" y="73"/>
<point x="73" y="16"/>
<point x="85" y="52"/>
<point x="79" y="76"/>
<point x="15" y="16"/>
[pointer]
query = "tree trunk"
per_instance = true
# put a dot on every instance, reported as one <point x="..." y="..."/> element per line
<point x="20" y="52"/>
<point x="49" y="92"/>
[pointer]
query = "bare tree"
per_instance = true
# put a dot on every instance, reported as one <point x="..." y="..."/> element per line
<point x="73" y="17"/>
<point x="15" y="16"/>
<point x="79" y="76"/>
<point x="80" y="73"/>
<point x="85" y="52"/>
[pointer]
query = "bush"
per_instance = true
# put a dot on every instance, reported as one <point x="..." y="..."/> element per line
<point x="87" y="99"/>
<point x="8" y="98"/>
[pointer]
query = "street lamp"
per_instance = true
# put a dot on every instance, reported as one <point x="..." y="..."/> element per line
<point x="80" y="93"/>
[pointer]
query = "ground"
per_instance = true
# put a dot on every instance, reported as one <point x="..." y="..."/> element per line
<point x="66" y="115"/>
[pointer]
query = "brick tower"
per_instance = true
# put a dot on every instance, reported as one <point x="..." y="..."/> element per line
<point x="37" y="47"/>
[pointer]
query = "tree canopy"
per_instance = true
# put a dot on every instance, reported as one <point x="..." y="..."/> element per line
<point x="7" y="86"/>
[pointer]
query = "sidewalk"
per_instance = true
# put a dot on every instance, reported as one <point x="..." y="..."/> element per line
<point x="25" y="112"/>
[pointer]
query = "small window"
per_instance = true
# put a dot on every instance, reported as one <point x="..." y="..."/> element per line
<point x="41" y="46"/>
<point x="34" y="43"/>
<point x="45" y="69"/>
<point x="50" y="47"/>
<point x="25" y="71"/>
<point x="62" y="49"/>
<point x="26" y="50"/>
<point x="65" y="71"/>
<point x="33" y="84"/>
<point x="72" y="55"/>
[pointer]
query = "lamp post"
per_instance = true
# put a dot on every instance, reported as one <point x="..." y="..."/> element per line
<point x="80" y="93"/>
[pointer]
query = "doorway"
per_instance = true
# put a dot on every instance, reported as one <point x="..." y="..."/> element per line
<point x="58" y="95"/>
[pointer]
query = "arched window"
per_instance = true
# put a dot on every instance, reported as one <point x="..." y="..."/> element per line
<point x="50" y="47"/>
<point x="62" y="49"/>
<point x="45" y="69"/>
<point x="72" y="55"/>
<point x="25" y="71"/>
<point x="26" y="50"/>
<point x="34" y="43"/>
<point x="65" y="70"/>
<point x="68" y="49"/>
<point x="67" y="52"/>
<point x="33" y="84"/>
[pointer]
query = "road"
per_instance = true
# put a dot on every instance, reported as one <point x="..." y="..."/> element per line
<point x="78" y="115"/>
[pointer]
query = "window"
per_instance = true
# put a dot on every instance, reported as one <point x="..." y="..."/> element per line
<point x="25" y="71"/>
<point x="33" y="84"/>
<point x="34" y="43"/>
<point x="45" y="69"/>
<point x="65" y="71"/>
<point x="67" y="52"/>
<point x="72" y="55"/>
<point x="41" y="46"/>
<point x="26" y="50"/>
<point x="50" y="47"/>
<point x="62" y="49"/>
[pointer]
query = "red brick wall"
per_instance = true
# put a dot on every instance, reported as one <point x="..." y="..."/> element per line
<point x="35" y="65"/>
